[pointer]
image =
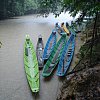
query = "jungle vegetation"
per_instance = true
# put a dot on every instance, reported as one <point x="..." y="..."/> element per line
<point x="11" y="8"/>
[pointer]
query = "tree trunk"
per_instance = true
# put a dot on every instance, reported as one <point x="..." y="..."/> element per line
<point x="4" y="9"/>
<point x="93" y="36"/>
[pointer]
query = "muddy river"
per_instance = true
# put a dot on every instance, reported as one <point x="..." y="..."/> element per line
<point x="13" y="82"/>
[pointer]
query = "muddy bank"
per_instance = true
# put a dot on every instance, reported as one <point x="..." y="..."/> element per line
<point x="83" y="86"/>
<point x="84" y="83"/>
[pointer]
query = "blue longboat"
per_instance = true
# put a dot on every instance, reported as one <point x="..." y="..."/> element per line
<point x="67" y="55"/>
<point x="51" y="42"/>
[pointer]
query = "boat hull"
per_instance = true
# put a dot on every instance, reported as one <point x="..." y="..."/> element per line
<point x="31" y="66"/>
<point x="54" y="57"/>
<point x="49" y="46"/>
<point x="66" y="56"/>
<point x="39" y="52"/>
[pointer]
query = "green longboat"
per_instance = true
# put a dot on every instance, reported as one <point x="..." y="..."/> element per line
<point x="31" y="65"/>
<point x="54" y="57"/>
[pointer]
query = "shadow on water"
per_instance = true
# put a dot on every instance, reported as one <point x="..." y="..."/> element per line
<point x="9" y="18"/>
<point x="62" y="78"/>
<point x="35" y="95"/>
<point x="45" y="62"/>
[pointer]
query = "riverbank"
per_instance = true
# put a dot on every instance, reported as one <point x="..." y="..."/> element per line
<point x="83" y="83"/>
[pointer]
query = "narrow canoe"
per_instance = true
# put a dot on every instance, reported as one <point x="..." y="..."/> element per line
<point x="54" y="57"/>
<point x="39" y="52"/>
<point x="66" y="56"/>
<point x="31" y="65"/>
<point x="49" y="45"/>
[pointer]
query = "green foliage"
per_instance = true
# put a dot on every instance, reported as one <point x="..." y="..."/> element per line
<point x="85" y="7"/>
<point x="17" y="9"/>
<point x="48" y="6"/>
<point x="10" y="8"/>
<point x="83" y="50"/>
<point x="29" y="4"/>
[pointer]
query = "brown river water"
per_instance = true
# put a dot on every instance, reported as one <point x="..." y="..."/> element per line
<point x="13" y="81"/>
